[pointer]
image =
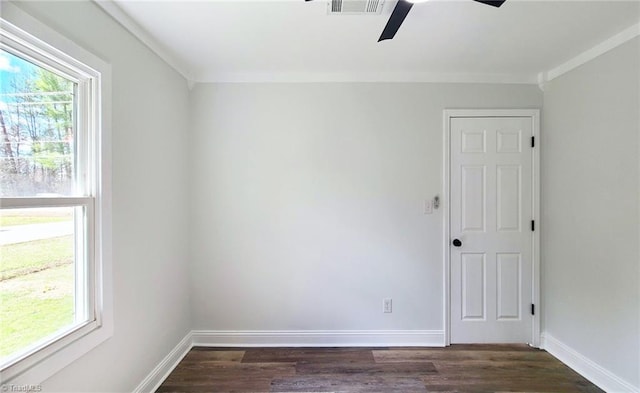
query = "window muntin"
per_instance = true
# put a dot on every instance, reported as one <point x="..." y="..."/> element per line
<point x="70" y="181"/>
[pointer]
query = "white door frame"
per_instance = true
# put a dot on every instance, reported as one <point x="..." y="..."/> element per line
<point x="534" y="114"/>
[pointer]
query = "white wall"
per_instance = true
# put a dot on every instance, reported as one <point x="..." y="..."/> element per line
<point x="150" y="121"/>
<point x="591" y="181"/>
<point x="308" y="202"/>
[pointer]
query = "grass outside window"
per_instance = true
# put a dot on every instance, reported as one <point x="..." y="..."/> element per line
<point x="36" y="276"/>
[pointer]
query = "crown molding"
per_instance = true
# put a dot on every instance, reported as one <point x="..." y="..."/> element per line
<point x="540" y="79"/>
<point x="111" y="8"/>
<point x="398" y="77"/>
<point x="590" y="54"/>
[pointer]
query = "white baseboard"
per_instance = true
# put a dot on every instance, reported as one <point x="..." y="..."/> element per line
<point x="598" y="375"/>
<point x="155" y="378"/>
<point x="584" y="366"/>
<point x="287" y="338"/>
<point x="318" y="338"/>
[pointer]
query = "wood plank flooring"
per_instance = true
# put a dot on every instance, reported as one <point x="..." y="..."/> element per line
<point x="458" y="368"/>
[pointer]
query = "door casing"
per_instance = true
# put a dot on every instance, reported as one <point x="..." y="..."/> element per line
<point x="534" y="115"/>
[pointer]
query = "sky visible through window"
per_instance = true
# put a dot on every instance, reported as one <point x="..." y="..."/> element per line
<point x="37" y="245"/>
<point x="36" y="130"/>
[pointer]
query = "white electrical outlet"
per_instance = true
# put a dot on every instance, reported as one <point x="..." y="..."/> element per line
<point x="387" y="305"/>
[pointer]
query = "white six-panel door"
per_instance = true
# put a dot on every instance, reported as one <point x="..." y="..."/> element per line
<point x="490" y="215"/>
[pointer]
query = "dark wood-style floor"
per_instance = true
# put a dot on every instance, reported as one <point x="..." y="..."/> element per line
<point x="458" y="368"/>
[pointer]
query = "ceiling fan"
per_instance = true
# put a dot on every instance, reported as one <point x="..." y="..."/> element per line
<point x="402" y="9"/>
<point x="400" y="12"/>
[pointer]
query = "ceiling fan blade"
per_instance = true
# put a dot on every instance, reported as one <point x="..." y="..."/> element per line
<point x="395" y="20"/>
<point x="496" y="3"/>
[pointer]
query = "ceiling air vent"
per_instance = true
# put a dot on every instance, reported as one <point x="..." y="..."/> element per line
<point x="353" y="7"/>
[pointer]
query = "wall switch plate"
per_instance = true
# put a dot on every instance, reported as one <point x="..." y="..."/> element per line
<point x="387" y="305"/>
<point x="428" y="206"/>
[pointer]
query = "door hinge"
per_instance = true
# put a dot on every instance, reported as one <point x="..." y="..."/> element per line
<point x="533" y="141"/>
<point x="533" y="309"/>
<point x="533" y="225"/>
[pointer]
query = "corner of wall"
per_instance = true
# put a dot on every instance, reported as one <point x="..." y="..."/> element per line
<point x="586" y="367"/>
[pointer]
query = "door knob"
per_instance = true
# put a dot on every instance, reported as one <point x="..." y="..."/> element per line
<point x="457" y="243"/>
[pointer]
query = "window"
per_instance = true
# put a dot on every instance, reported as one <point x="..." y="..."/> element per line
<point x="54" y="203"/>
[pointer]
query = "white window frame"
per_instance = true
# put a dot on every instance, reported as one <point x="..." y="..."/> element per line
<point x="18" y="32"/>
